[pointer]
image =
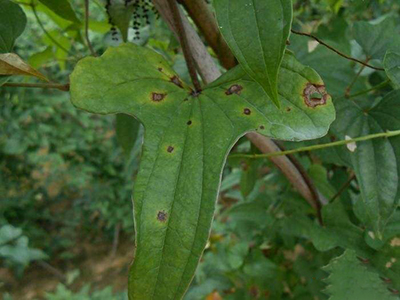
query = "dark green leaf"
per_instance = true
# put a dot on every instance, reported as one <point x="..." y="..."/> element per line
<point x="186" y="142"/>
<point x="127" y="129"/>
<point x="350" y="280"/>
<point x="377" y="37"/>
<point x="392" y="67"/>
<point x="257" y="32"/>
<point x="12" y="24"/>
<point x="62" y="8"/>
<point x="376" y="162"/>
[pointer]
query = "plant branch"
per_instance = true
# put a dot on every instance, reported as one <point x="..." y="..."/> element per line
<point x="376" y="87"/>
<point x="87" y="28"/>
<point x="343" y="187"/>
<point x="180" y="30"/>
<point x="321" y="146"/>
<point x="46" y="32"/>
<point x="350" y="86"/>
<point x="61" y="87"/>
<point x="203" y="18"/>
<point x="336" y="51"/>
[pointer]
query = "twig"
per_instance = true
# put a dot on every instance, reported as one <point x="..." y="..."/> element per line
<point x="61" y="87"/>
<point x="336" y="51"/>
<point x="343" y="187"/>
<point x="87" y="28"/>
<point x="114" y="248"/>
<point x="184" y="44"/>
<point x="47" y="33"/>
<point x="314" y="192"/>
<point x="376" y="87"/>
<point x="321" y="146"/>
<point x="203" y="18"/>
<point x="349" y="87"/>
<point x="52" y="270"/>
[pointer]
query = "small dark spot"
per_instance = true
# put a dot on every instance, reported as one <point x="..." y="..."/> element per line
<point x="247" y="111"/>
<point x="287" y="42"/>
<point x="262" y="127"/>
<point x="162" y="216"/>
<point x="234" y="89"/>
<point x="160" y="69"/>
<point x="170" y="149"/>
<point x="315" y="95"/>
<point x="175" y="80"/>
<point x="186" y="99"/>
<point x="288" y="109"/>
<point x="189" y="122"/>
<point x="157" y="97"/>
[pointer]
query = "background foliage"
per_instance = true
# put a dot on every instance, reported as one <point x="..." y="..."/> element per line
<point x="65" y="181"/>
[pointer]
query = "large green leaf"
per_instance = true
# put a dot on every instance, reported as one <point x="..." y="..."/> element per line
<point x="350" y="280"/>
<point x="376" y="162"/>
<point x="62" y="8"/>
<point x="392" y="67"/>
<point x="12" y="24"/>
<point x="187" y="139"/>
<point x="257" y="32"/>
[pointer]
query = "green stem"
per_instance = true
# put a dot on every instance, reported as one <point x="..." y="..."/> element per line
<point x="321" y="146"/>
<point x="376" y="87"/>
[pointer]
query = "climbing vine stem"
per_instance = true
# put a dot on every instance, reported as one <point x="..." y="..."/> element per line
<point x="321" y="146"/>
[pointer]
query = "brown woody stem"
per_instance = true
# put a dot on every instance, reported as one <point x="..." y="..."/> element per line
<point x="184" y="44"/>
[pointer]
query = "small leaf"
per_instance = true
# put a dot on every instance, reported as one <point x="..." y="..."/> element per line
<point x="350" y="280"/>
<point x="12" y="24"/>
<point x="392" y="67"/>
<point x="12" y="64"/>
<point x="187" y="140"/>
<point x="257" y="32"/>
<point x="127" y="129"/>
<point x="62" y="8"/>
<point x="121" y="15"/>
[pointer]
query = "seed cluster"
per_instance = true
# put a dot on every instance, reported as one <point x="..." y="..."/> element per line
<point x="141" y="16"/>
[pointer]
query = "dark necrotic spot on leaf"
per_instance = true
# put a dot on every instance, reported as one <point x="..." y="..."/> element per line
<point x="247" y="111"/>
<point x="262" y="127"/>
<point x="189" y="122"/>
<point x="288" y="109"/>
<point x="160" y="69"/>
<point x="175" y="80"/>
<point x="315" y="95"/>
<point x="157" y="97"/>
<point x="162" y="216"/>
<point x="170" y="149"/>
<point x="234" y="89"/>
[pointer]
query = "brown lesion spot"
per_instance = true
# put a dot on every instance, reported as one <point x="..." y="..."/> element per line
<point x="162" y="216"/>
<point x="247" y="111"/>
<point x="160" y="69"/>
<point x="175" y="80"/>
<point x="262" y="127"/>
<point x="189" y="122"/>
<point x="315" y="95"/>
<point x="234" y="89"/>
<point x="288" y="109"/>
<point x="170" y="149"/>
<point x="157" y="97"/>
